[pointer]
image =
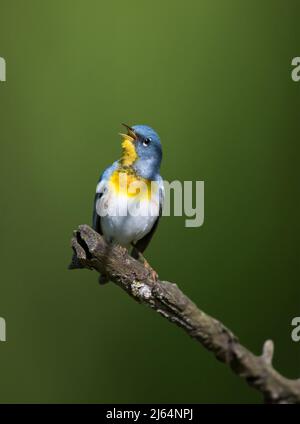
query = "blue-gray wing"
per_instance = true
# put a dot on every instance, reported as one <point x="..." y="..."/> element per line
<point x="96" y="217"/>
<point x="141" y="245"/>
<point x="101" y="186"/>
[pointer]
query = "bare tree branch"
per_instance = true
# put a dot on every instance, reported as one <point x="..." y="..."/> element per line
<point x="91" y="251"/>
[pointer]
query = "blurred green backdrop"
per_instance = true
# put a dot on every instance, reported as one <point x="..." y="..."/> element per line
<point x="213" y="78"/>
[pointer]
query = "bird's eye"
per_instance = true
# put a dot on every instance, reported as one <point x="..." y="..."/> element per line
<point x="147" y="141"/>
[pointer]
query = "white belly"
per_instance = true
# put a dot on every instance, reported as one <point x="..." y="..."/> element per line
<point x="127" y="219"/>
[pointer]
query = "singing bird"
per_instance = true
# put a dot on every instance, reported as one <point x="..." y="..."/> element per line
<point x="123" y="214"/>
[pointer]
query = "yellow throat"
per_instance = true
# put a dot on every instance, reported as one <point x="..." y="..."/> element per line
<point x="129" y="155"/>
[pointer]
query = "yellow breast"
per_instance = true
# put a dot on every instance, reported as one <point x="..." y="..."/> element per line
<point x="127" y="183"/>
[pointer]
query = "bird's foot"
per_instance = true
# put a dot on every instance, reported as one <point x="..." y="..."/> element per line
<point x="153" y="273"/>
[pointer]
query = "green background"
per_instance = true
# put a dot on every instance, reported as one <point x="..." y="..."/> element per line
<point x="214" y="79"/>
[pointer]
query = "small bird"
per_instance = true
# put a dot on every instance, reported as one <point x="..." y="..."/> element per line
<point x="130" y="193"/>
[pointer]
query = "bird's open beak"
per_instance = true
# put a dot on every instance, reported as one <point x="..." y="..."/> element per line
<point x="130" y="136"/>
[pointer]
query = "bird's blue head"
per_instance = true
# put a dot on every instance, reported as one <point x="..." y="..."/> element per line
<point x="142" y="150"/>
